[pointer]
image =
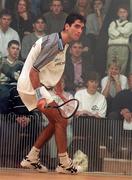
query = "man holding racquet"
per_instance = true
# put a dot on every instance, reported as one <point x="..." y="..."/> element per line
<point x="42" y="71"/>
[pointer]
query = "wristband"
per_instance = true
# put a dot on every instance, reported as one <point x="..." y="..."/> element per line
<point x="40" y="92"/>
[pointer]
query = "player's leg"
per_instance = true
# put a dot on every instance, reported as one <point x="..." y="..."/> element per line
<point x="32" y="161"/>
<point x="65" y="165"/>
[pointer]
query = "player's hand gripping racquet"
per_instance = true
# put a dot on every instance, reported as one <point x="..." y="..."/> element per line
<point x="66" y="109"/>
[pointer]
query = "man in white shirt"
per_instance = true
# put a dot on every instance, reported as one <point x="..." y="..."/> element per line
<point x="42" y="71"/>
<point x="6" y="32"/>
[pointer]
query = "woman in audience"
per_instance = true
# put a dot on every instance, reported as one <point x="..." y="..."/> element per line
<point x="83" y="7"/>
<point x="23" y="18"/>
<point x="113" y="83"/>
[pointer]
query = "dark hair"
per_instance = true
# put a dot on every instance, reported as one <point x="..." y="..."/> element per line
<point x="92" y="75"/>
<point x="13" y="42"/>
<point x="37" y="18"/>
<point x="5" y="12"/>
<point x="71" y="18"/>
<point x="123" y="6"/>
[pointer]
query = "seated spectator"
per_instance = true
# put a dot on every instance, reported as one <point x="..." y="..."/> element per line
<point x="6" y="32"/>
<point x="39" y="27"/>
<point x="83" y="7"/>
<point x="121" y="111"/>
<point x="113" y="83"/>
<point x="23" y="18"/>
<point x="76" y="68"/>
<point x="10" y="69"/>
<point x="55" y="18"/>
<point x="92" y="104"/>
<point x="119" y="33"/>
<point x="22" y="128"/>
<point x="95" y="19"/>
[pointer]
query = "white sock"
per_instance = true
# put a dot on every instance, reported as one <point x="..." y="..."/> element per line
<point x="64" y="159"/>
<point x="34" y="153"/>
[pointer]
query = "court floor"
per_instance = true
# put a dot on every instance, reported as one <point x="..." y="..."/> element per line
<point x="21" y="175"/>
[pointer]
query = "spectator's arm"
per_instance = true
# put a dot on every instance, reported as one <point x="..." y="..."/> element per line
<point x="106" y="87"/>
<point x="112" y="31"/>
<point x="126" y="30"/>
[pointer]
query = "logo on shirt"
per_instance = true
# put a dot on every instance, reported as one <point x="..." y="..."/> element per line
<point x="95" y="108"/>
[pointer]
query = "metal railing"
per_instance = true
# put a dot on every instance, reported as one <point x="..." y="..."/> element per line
<point x="97" y="145"/>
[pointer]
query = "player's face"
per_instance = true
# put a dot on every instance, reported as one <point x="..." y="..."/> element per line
<point x="13" y="51"/>
<point x="75" y="30"/>
<point x="92" y="86"/>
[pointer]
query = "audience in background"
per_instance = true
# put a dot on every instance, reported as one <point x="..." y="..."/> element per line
<point x="121" y="111"/>
<point x="91" y="102"/>
<point x="93" y="105"/>
<point x="39" y="28"/>
<point x="6" y="32"/>
<point x="23" y="18"/>
<point x="95" y="20"/>
<point x="83" y="7"/>
<point x="76" y="68"/>
<point x="113" y="83"/>
<point x="55" y="18"/>
<point x="119" y="32"/>
<point x="10" y="69"/>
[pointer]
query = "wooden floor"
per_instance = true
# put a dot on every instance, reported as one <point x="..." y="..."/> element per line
<point x="20" y="175"/>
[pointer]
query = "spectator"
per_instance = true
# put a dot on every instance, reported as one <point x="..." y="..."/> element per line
<point x="9" y="72"/>
<point x="94" y="24"/>
<point x="55" y="18"/>
<point x="119" y="33"/>
<point x="23" y="18"/>
<point x="83" y="7"/>
<point x="121" y="111"/>
<point x="22" y="128"/>
<point x="76" y="68"/>
<point x="6" y="32"/>
<point x="39" y="27"/>
<point x="93" y="105"/>
<point x="113" y="83"/>
<point x="95" y="19"/>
